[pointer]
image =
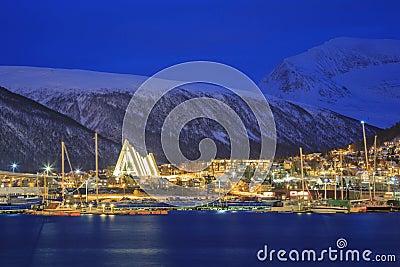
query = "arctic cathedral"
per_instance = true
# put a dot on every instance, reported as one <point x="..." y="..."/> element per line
<point x="130" y="162"/>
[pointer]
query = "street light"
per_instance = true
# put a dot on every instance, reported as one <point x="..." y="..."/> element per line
<point x="14" y="166"/>
<point x="48" y="168"/>
<point x="103" y="206"/>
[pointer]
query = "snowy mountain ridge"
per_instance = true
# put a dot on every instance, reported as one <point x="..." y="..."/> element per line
<point x="102" y="109"/>
<point x="28" y="78"/>
<point x="358" y="78"/>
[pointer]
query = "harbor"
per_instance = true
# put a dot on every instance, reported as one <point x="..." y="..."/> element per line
<point x="123" y="205"/>
<point x="309" y="183"/>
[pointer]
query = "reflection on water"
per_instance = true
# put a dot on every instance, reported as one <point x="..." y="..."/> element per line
<point x="184" y="238"/>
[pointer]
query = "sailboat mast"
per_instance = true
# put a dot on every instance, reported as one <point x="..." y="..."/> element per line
<point x="373" y="172"/>
<point x="302" y="172"/>
<point x="97" y="168"/>
<point x="341" y="174"/>
<point x="44" y="188"/>
<point x="366" y="160"/>
<point x="62" y="171"/>
<point x="334" y="167"/>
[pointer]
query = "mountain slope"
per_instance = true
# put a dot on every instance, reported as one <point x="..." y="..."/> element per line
<point x="31" y="135"/>
<point x="358" y="78"/>
<point x="385" y="135"/>
<point x="76" y="93"/>
<point x="102" y="108"/>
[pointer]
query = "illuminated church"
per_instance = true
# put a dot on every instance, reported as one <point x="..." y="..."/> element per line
<point x="130" y="162"/>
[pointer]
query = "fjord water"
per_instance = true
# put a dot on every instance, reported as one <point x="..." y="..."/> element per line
<point x="189" y="238"/>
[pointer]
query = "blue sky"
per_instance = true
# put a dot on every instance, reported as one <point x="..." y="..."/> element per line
<point x="143" y="37"/>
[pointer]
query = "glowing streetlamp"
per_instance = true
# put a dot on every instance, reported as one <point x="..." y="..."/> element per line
<point x="47" y="168"/>
<point x="13" y="166"/>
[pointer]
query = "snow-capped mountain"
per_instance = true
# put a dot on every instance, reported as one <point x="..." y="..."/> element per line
<point x="359" y="78"/>
<point x="76" y="93"/>
<point x="314" y="129"/>
<point x="30" y="134"/>
<point x="101" y="106"/>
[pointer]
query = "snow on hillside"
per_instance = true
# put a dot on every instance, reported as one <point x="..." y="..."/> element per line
<point x="33" y="80"/>
<point x="31" y="135"/>
<point x="101" y="107"/>
<point x="358" y="78"/>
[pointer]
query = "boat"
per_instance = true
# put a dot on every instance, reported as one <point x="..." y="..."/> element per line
<point x="331" y="206"/>
<point x="395" y="204"/>
<point x="3" y="201"/>
<point x="24" y="200"/>
<point x="358" y="209"/>
<point x="378" y="206"/>
<point x="285" y="206"/>
<point x="323" y="209"/>
<point x="143" y="212"/>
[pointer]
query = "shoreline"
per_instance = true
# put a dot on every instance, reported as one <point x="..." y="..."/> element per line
<point x="141" y="212"/>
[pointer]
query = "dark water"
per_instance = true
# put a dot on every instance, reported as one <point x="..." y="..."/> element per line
<point x="189" y="238"/>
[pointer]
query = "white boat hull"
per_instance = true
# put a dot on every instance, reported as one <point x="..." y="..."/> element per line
<point x="329" y="210"/>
